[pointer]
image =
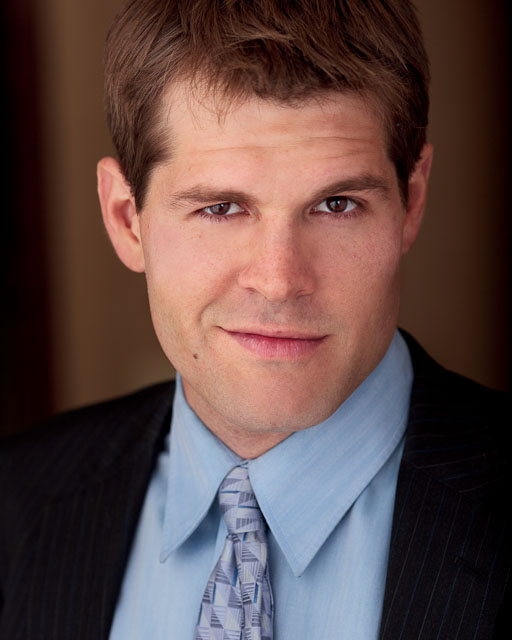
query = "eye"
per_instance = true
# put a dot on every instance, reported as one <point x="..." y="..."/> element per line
<point x="337" y="204"/>
<point x="222" y="209"/>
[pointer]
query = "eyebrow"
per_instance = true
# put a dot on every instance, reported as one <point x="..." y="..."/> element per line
<point x="200" y="193"/>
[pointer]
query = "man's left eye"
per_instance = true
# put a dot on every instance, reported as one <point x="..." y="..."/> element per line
<point x="222" y="209"/>
<point x="336" y="204"/>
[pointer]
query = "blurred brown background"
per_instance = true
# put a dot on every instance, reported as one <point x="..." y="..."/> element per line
<point x="76" y="327"/>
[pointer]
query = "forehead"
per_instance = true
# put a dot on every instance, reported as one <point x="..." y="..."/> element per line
<point x="200" y="124"/>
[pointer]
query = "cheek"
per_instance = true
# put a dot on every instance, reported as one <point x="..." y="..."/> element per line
<point x="362" y="276"/>
<point x="371" y="256"/>
<point x="184" y="273"/>
<point x="381" y="277"/>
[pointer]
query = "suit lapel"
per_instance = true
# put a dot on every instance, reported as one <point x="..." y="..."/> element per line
<point x="85" y="539"/>
<point x="445" y="574"/>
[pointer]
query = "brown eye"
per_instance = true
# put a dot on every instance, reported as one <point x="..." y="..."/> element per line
<point x="220" y="209"/>
<point x="338" y="204"/>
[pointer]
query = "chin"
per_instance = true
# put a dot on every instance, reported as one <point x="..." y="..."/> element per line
<point x="285" y="412"/>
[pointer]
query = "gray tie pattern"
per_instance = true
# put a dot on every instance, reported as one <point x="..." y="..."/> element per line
<point x="237" y="603"/>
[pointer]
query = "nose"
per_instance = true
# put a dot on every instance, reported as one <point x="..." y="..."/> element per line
<point x="279" y="265"/>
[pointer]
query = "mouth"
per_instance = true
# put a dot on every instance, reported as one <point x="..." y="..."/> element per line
<point x="282" y="344"/>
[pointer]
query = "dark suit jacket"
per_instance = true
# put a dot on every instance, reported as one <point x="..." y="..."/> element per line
<point x="71" y="492"/>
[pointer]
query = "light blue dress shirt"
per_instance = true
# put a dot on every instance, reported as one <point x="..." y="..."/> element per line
<point x="327" y="494"/>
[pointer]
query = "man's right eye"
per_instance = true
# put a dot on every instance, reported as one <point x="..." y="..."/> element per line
<point x="222" y="209"/>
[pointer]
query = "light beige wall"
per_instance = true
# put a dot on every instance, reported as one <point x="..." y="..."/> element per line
<point x="104" y="344"/>
<point x="455" y="294"/>
<point x="453" y="284"/>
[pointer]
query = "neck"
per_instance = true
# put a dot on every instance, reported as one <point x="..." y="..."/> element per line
<point x="245" y="442"/>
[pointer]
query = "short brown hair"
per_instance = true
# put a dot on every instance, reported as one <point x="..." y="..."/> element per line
<point x="286" y="51"/>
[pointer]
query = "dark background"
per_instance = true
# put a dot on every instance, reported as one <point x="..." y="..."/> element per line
<point x="75" y="324"/>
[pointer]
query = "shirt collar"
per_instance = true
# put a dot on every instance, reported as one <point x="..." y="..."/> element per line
<point x="308" y="482"/>
<point x="198" y="462"/>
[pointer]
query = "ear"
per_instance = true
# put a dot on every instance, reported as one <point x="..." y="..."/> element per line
<point x="119" y="214"/>
<point x="417" y="197"/>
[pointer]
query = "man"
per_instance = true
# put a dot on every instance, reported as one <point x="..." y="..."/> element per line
<point x="272" y="173"/>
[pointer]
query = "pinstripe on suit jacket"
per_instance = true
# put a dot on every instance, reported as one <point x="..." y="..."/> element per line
<point x="71" y="492"/>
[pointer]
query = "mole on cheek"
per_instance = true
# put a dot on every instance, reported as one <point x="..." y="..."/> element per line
<point x="195" y="356"/>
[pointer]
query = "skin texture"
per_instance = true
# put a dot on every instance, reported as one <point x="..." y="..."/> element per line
<point x="274" y="308"/>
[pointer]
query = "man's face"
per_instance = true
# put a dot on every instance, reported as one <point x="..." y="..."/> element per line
<point x="271" y="242"/>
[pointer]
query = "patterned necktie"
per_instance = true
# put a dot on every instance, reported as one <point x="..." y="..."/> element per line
<point x="237" y="603"/>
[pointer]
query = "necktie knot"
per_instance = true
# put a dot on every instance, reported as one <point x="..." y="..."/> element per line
<point x="238" y="503"/>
